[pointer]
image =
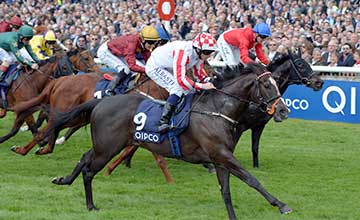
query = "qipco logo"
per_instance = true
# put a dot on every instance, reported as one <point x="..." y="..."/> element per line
<point x="297" y="104"/>
<point x="339" y="104"/>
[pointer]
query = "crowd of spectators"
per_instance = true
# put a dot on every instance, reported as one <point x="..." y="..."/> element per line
<point x="326" y="32"/>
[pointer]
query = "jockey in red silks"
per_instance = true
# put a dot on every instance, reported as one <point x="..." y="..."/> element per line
<point x="13" y="25"/>
<point x="120" y="53"/>
<point x="234" y="45"/>
<point x="167" y="67"/>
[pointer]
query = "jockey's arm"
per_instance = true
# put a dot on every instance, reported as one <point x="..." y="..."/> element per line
<point x="244" y="53"/>
<point x="200" y="72"/>
<point x="31" y="53"/>
<point x="179" y="66"/>
<point x="260" y="54"/>
<point x="18" y="56"/>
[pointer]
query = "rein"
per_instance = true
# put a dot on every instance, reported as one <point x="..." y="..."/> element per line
<point x="27" y="76"/>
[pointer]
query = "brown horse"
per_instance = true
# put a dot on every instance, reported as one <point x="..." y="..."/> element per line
<point x="30" y="83"/>
<point x="67" y="92"/>
<point x="28" y="86"/>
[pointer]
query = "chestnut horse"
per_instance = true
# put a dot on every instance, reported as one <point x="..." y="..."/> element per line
<point x="28" y="86"/>
<point x="210" y="138"/>
<point x="30" y="83"/>
<point x="67" y="92"/>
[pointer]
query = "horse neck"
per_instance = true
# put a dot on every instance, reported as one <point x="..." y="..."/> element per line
<point x="228" y="105"/>
<point x="283" y="74"/>
<point x="44" y="74"/>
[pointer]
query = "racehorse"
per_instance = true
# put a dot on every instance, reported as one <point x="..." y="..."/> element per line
<point x="30" y="83"/>
<point x="26" y="86"/>
<point x="82" y="61"/>
<point x="287" y="70"/>
<point x="210" y="137"/>
<point x="67" y="92"/>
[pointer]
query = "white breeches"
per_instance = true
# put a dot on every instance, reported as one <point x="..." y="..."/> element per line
<point x="229" y="54"/>
<point x="112" y="61"/>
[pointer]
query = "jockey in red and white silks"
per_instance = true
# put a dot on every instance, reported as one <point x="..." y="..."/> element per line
<point x="168" y="64"/>
<point x="234" y="45"/>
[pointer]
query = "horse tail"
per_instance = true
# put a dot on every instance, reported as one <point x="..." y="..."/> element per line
<point x="34" y="103"/>
<point x="82" y="111"/>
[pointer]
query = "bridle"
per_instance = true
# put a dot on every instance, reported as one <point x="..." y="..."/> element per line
<point x="82" y="60"/>
<point x="264" y="105"/>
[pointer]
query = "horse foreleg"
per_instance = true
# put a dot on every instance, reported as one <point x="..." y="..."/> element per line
<point x="51" y="144"/>
<point x="30" y="121"/>
<point x="223" y="179"/>
<point x="19" y="120"/>
<point x="41" y="118"/>
<point x="162" y="164"/>
<point x="68" y="134"/>
<point x="129" y="151"/>
<point x="227" y="159"/>
<point x="255" y="140"/>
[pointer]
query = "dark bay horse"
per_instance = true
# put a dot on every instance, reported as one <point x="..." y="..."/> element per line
<point x="287" y="70"/>
<point x="208" y="139"/>
<point x="28" y="86"/>
<point x="31" y="82"/>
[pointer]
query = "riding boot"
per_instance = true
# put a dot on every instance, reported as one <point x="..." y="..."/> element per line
<point x="166" y="116"/>
<point x="2" y="75"/>
<point x="120" y="76"/>
<point x="3" y="70"/>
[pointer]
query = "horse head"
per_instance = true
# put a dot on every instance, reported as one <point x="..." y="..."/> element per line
<point x="82" y="60"/>
<point x="256" y="84"/>
<point x="292" y="69"/>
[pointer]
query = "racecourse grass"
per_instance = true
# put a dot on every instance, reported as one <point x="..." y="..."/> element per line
<point x="312" y="166"/>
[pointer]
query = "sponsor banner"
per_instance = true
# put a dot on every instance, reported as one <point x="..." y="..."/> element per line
<point x="337" y="101"/>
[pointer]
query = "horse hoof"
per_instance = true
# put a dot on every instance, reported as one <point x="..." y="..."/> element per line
<point x="17" y="150"/>
<point x="38" y="151"/>
<point x="92" y="208"/>
<point x="60" y="141"/>
<point x="58" y="180"/>
<point x="285" y="210"/>
<point x="212" y="170"/>
<point x="24" y="128"/>
<point x="14" y="148"/>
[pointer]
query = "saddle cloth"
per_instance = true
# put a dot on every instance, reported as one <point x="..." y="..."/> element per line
<point x="147" y="117"/>
<point x="103" y="85"/>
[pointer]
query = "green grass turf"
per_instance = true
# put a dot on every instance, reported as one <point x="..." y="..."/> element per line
<point x="312" y="166"/>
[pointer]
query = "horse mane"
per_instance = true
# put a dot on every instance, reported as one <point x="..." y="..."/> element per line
<point x="232" y="72"/>
<point x="274" y="64"/>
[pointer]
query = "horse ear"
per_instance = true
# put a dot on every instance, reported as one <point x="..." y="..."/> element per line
<point x="290" y="54"/>
<point x="299" y="52"/>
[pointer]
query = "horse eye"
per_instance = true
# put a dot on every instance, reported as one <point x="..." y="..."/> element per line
<point x="267" y="84"/>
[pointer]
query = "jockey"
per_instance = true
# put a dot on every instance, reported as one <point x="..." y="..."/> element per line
<point x="43" y="45"/>
<point x="10" y="45"/>
<point x="120" y="53"/>
<point x="163" y="35"/>
<point x="234" y="45"/>
<point x="167" y="67"/>
<point x="13" y="25"/>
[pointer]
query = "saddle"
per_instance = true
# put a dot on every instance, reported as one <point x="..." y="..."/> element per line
<point x="103" y="85"/>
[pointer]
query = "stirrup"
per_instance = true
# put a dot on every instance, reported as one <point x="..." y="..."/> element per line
<point x="164" y="128"/>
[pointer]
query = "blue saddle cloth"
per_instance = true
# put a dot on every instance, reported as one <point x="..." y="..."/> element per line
<point x="11" y="74"/>
<point x="103" y="85"/>
<point x="147" y="119"/>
